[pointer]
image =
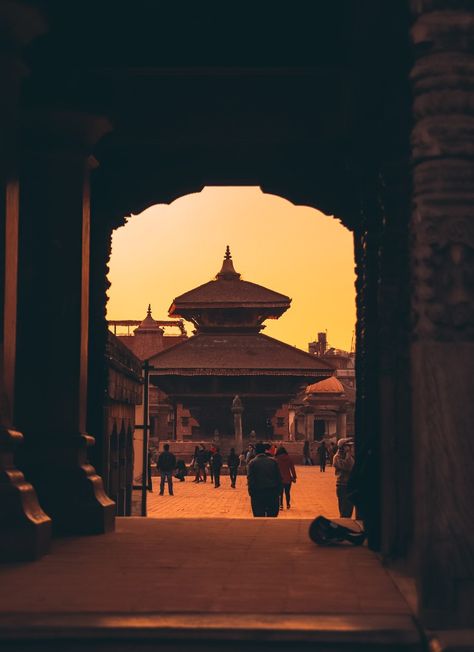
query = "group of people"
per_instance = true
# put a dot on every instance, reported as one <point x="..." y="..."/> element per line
<point x="211" y="459"/>
<point x="269" y="478"/>
<point x="270" y="473"/>
<point x="325" y="454"/>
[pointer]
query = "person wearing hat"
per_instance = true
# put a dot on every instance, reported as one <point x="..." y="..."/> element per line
<point x="264" y="483"/>
<point x="343" y="463"/>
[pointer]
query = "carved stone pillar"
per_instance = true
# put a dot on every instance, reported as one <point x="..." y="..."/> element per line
<point x="53" y="313"/>
<point x="237" y="409"/>
<point x="366" y="474"/>
<point x="291" y="425"/>
<point x="442" y="350"/>
<point x="341" y="427"/>
<point x="25" y="530"/>
<point x="309" y="426"/>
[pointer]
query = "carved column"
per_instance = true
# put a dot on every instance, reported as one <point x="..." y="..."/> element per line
<point x="25" y="530"/>
<point x="396" y="440"/>
<point x="53" y="310"/>
<point x="442" y="350"/>
<point x="309" y="426"/>
<point x="237" y="409"/>
<point x="341" y="427"/>
<point x="291" y="425"/>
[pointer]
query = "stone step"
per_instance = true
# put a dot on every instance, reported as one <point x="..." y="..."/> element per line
<point x="219" y="632"/>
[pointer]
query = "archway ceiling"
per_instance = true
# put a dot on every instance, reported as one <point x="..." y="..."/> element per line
<point x="288" y="100"/>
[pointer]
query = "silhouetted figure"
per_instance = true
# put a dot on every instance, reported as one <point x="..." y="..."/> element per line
<point x="216" y="462"/>
<point x="233" y="462"/>
<point x="202" y="458"/>
<point x="264" y="483"/>
<point x="307" y="461"/>
<point x="250" y="454"/>
<point x="322" y="454"/>
<point x="210" y="453"/>
<point x="181" y="470"/>
<point x="343" y="463"/>
<point x="194" y="465"/>
<point x="166" y="464"/>
<point x="287" y="473"/>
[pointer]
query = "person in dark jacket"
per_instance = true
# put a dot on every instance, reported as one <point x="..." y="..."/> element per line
<point x="322" y="454"/>
<point x="216" y="461"/>
<point x="194" y="465"/>
<point x="181" y="470"/>
<point x="307" y="461"/>
<point x="343" y="463"/>
<point x="202" y="458"/>
<point x="166" y="464"/>
<point x="287" y="472"/>
<point x="233" y="462"/>
<point x="264" y="483"/>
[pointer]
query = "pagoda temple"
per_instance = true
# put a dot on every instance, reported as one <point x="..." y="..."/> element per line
<point x="228" y="356"/>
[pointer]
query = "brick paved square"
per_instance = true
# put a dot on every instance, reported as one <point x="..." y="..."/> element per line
<point x="313" y="493"/>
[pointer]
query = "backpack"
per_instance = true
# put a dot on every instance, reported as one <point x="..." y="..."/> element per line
<point x="325" y="532"/>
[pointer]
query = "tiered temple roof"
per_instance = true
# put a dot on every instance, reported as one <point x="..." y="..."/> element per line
<point x="228" y="313"/>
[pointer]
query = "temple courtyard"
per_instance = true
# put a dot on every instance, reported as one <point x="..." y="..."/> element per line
<point x="313" y="493"/>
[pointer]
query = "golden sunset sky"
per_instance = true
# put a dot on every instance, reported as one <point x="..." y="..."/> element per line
<point x="295" y="250"/>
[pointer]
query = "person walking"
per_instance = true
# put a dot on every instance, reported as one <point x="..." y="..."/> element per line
<point x="322" y="454"/>
<point x="166" y="464"/>
<point x="202" y="458"/>
<point x="233" y="462"/>
<point x="264" y="483"/>
<point x="194" y="465"/>
<point x="287" y="473"/>
<point x="210" y="454"/>
<point x="216" y="463"/>
<point x="250" y="454"/>
<point x="332" y="452"/>
<point x="307" y="461"/>
<point x="343" y="463"/>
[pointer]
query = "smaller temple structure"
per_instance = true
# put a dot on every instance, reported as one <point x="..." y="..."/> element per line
<point x="149" y="337"/>
<point x="325" y="410"/>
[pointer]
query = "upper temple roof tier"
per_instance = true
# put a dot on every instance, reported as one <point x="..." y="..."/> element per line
<point x="228" y="302"/>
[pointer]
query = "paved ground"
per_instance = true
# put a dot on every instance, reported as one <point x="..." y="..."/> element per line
<point x="258" y="566"/>
<point x="249" y="579"/>
<point x="313" y="493"/>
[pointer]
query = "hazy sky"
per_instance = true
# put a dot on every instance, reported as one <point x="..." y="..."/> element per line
<point x="295" y="250"/>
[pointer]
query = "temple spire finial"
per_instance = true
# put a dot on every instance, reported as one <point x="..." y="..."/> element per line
<point x="148" y="312"/>
<point x="228" y="272"/>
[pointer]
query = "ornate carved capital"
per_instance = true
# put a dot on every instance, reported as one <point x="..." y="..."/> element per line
<point x="443" y="175"/>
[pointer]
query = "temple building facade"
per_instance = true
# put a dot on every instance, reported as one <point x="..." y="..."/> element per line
<point x="228" y="356"/>
<point x="148" y="338"/>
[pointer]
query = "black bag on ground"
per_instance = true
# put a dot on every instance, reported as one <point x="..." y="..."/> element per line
<point x="325" y="532"/>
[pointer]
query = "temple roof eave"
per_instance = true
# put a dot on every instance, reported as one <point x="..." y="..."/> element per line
<point x="261" y="353"/>
<point x="208" y="371"/>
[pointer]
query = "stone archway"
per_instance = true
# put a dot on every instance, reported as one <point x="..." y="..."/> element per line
<point x="360" y="143"/>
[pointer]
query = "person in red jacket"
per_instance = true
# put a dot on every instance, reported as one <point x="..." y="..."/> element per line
<point x="287" y="472"/>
